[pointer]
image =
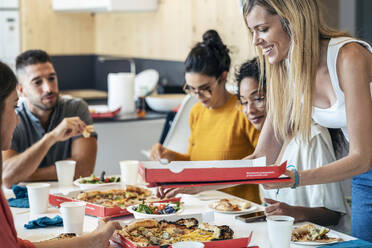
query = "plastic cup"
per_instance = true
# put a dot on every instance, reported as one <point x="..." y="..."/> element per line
<point x="279" y="230"/>
<point x="188" y="244"/>
<point x="129" y="172"/>
<point x="38" y="197"/>
<point x="65" y="172"/>
<point x="73" y="216"/>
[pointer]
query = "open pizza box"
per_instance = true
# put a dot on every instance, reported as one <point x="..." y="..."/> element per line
<point x="199" y="173"/>
<point x="205" y="217"/>
<point x="56" y="199"/>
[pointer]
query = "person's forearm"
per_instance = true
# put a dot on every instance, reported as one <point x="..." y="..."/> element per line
<point x="84" y="152"/>
<point x="23" y="165"/>
<point x="347" y="167"/>
<point x="48" y="173"/>
<point x="268" y="145"/>
<point x="85" y="241"/>
<point x="321" y="216"/>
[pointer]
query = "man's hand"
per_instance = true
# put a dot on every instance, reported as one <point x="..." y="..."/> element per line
<point x="158" y="152"/>
<point x="281" y="208"/>
<point x="68" y="128"/>
<point x="172" y="192"/>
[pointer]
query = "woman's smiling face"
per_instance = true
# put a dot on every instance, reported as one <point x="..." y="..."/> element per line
<point x="268" y="34"/>
<point x="253" y="102"/>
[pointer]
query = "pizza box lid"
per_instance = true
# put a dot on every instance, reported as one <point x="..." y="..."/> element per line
<point x="208" y="171"/>
<point x="93" y="209"/>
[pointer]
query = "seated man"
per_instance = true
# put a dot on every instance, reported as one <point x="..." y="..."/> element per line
<point x="49" y="128"/>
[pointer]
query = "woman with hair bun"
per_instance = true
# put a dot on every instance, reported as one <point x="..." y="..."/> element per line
<point x="219" y="131"/>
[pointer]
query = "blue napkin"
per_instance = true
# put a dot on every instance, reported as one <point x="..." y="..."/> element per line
<point x="21" y="200"/>
<point x="44" y="222"/>
<point x="349" y="244"/>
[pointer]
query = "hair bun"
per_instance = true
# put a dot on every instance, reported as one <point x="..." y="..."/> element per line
<point x="211" y="37"/>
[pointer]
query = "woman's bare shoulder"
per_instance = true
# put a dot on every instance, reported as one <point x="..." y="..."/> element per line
<point x="354" y="63"/>
<point x="354" y="53"/>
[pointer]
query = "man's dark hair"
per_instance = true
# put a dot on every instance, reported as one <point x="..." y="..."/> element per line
<point x="31" y="57"/>
<point x="249" y="69"/>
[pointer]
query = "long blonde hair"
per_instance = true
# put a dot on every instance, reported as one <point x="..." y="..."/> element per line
<point x="290" y="82"/>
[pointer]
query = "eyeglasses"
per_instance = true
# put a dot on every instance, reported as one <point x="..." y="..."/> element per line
<point x="205" y="91"/>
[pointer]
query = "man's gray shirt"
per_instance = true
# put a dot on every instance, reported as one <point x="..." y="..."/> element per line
<point x="29" y="129"/>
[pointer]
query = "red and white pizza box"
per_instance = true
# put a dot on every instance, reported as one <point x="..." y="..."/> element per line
<point x="56" y="199"/>
<point x="236" y="242"/>
<point x="210" y="172"/>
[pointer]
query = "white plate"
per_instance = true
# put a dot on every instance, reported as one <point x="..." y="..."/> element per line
<point x="139" y="215"/>
<point x="331" y="234"/>
<point x="252" y="208"/>
<point x="85" y="186"/>
<point x="145" y="82"/>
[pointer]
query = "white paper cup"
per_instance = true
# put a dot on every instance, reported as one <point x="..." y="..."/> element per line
<point x="38" y="197"/>
<point x="280" y="230"/>
<point x="73" y="216"/>
<point x="129" y="172"/>
<point x="188" y="244"/>
<point x="65" y="172"/>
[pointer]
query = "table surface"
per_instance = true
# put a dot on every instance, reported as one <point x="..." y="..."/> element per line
<point x="192" y="205"/>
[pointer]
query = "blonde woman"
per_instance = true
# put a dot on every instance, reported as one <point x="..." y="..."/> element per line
<point x="316" y="73"/>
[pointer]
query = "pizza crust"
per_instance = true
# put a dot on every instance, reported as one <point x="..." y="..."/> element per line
<point x="146" y="223"/>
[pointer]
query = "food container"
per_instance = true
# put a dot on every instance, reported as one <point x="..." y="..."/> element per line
<point x="198" y="173"/>
<point x="235" y="242"/>
<point x="56" y="199"/>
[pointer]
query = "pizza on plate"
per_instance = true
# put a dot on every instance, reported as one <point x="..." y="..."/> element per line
<point x="230" y="205"/>
<point x="123" y="198"/>
<point x="310" y="232"/>
<point x="150" y="232"/>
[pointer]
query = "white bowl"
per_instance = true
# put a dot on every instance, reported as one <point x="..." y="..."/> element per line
<point x="85" y="186"/>
<point x="188" y="244"/>
<point x="165" y="102"/>
<point x="138" y="215"/>
<point x="145" y="82"/>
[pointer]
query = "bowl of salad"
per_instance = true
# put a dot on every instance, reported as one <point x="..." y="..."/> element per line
<point x="97" y="182"/>
<point x="151" y="210"/>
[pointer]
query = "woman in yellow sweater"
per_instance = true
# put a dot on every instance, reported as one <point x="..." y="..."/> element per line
<point x="219" y="131"/>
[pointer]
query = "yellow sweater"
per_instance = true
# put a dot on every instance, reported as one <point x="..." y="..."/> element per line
<point x="222" y="134"/>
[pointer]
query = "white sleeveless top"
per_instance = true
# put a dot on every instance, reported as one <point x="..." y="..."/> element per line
<point x="335" y="116"/>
